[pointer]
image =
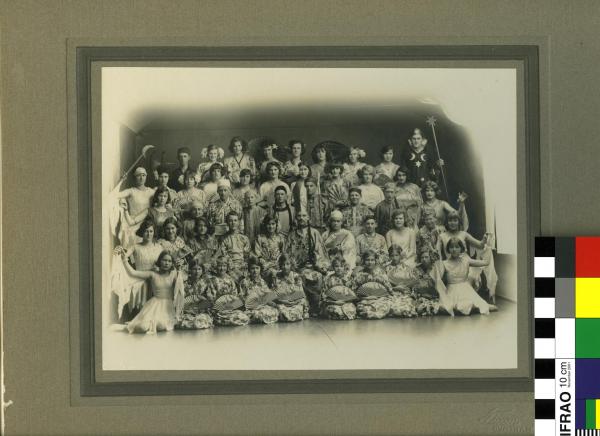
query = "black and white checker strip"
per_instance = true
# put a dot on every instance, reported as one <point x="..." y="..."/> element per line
<point x="545" y="336"/>
<point x="582" y="432"/>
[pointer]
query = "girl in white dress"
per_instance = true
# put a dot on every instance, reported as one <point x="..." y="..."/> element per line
<point x="166" y="284"/>
<point x="459" y="294"/>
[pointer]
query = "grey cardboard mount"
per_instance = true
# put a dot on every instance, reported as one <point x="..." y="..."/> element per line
<point x="37" y="83"/>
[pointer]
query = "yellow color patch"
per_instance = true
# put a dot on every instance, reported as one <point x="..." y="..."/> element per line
<point x="587" y="297"/>
<point x="598" y="414"/>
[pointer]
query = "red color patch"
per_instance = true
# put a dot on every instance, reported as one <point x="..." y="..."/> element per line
<point x="587" y="257"/>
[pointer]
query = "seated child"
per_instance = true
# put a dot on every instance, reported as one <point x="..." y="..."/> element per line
<point x="224" y="297"/>
<point x="427" y="299"/>
<point x="260" y="306"/>
<point x="195" y="310"/>
<point x="291" y="299"/>
<point x="400" y="275"/>
<point x="372" y="288"/>
<point x="337" y="296"/>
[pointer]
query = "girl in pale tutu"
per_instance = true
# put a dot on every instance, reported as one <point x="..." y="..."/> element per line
<point x="337" y="298"/>
<point x="224" y="296"/>
<point x="166" y="284"/>
<point x="372" y="288"/>
<point x="401" y="277"/>
<point x="291" y="299"/>
<point x="196" y="307"/>
<point x="259" y="299"/>
<point x="458" y="294"/>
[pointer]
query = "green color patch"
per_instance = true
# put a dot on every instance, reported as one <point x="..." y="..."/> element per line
<point x="590" y="414"/>
<point x="587" y="338"/>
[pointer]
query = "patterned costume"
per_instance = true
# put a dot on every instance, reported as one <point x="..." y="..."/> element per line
<point x="374" y="242"/>
<point x="236" y="247"/>
<point x="217" y="214"/>
<point x="295" y="309"/>
<point x="372" y="307"/>
<point x="264" y="314"/>
<point x="234" y="165"/>
<point x="195" y="311"/>
<point x="221" y="286"/>
<point x="354" y="217"/>
<point x="337" y="310"/>
<point x="269" y="248"/>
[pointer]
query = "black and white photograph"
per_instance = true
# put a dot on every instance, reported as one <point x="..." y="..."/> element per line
<point x="331" y="218"/>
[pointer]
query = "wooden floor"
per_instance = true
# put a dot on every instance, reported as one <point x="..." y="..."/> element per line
<point x="439" y="342"/>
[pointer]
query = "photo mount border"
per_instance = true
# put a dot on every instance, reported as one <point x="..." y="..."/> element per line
<point x="90" y="387"/>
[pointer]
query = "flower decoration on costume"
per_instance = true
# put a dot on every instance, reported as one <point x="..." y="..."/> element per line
<point x="361" y="153"/>
<point x="203" y="153"/>
<point x="221" y="152"/>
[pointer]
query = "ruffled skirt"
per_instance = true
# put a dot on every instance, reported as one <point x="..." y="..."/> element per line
<point x="463" y="298"/>
<point x="157" y="314"/>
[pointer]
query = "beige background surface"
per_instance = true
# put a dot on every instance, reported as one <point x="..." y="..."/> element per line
<point x="34" y="135"/>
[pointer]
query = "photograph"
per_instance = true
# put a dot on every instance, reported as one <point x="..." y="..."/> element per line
<point x="308" y="218"/>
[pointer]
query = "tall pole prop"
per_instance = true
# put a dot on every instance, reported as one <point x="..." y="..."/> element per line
<point x="144" y="154"/>
<point x="431" y="121"/>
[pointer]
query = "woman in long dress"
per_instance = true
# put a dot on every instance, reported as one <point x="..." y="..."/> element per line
<point x="158" y="313"/>
<point x="408" y="196"/>
<point x="403" y="236"/>
<point x="459" y="294"/>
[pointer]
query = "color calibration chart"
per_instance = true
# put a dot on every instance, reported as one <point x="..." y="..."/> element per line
<point x="567" y="336"/>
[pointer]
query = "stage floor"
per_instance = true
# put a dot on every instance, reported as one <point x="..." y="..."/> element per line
<point x="439" y="342"/>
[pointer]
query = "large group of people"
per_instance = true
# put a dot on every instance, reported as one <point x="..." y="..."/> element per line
<point x="245" y="239"/>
